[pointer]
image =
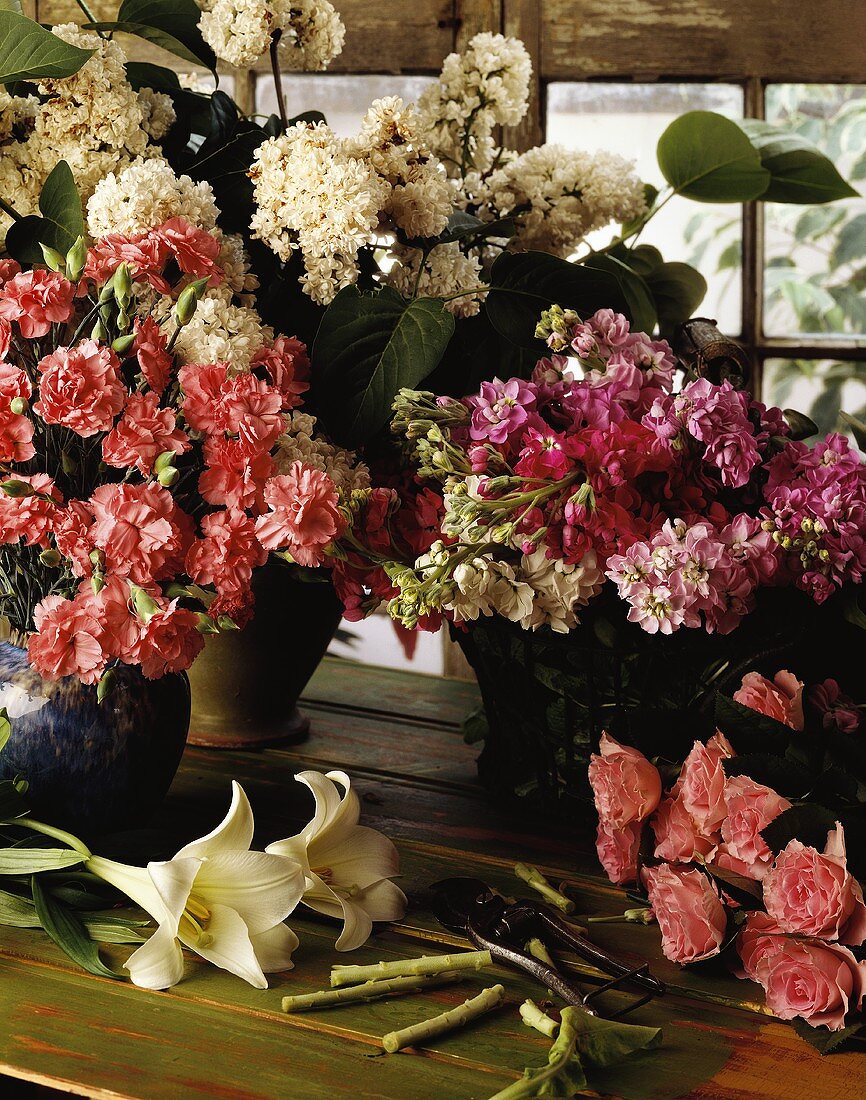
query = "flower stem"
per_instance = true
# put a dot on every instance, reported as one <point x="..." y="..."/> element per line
<point x="58" y="834"/>
<point x="537" y="949"/>
<point x="278" y="78"/>
<point x="10" y="211"/>
<point x="368" y="991"/>
<point x="534" y="878"/>
<point x="400" y="968"/>
<point x="532" y="1016"/>
<point x="456" y="1017"/>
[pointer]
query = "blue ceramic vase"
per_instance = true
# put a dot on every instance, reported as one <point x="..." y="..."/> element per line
<point x="92" y="767"/>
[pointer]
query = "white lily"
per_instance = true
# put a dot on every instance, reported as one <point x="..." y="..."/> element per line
<point x="348" y="866"/>
<point x="217" y="898"/>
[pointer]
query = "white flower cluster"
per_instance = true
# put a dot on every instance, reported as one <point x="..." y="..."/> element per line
<point x="446" y="271"/>
<point x="561" y="194"/>
<point x="93" y="120"/>
<point x="219" y="331"/>
<point x="330" y="196"/>
<point x="299" y="443"/>
<point x="485" y="86"/>
<point x="240" y="31"/>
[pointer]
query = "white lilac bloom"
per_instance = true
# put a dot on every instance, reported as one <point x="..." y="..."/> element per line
<point x="215" y="897"/>
<point x="348" y="867"/>
<point x="240" y="31"/>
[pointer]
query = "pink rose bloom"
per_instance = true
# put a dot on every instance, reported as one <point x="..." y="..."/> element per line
<point x="202" y="386"/>
<point x="30" y="518"/>
<point x="154" y="360"/>
<point x="689" y="910"/>
<point x="617" y="849"/>
<point x="815" y="894"/>
<point x="144" y="534"/>
<point x="288" y="366"/>
<point x="252" y="410"/>
<point x="195" y="250"/>
<point x="67" y="641"/>
<point x="170" y="642"/>
<point x="304" y="516"/>
<point x="702" y="783"/>
<point x="227" y="554"/>
<point x="678" y="839"/>
<point x="750" y="808"/>
<point x="81" y="388"/>
<point x="781" y="698"/>
<point x="759" y="938"/>
<point x="626" y="786"/>
<point x="234" y="478"/>
<point x="144" y="432"/>
<point x="36" y="300"/>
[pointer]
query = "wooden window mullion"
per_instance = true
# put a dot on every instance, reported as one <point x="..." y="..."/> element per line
<point x="753" y="251"/>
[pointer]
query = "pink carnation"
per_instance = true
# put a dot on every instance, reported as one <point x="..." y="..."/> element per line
<point x="227" y="554"/>
<point x="702" y="783"/>
<point x="66" y="642"/>
<point x="170" y="642"/>
<point x="252" y="410"/>
<point x="16" y="429"/>
<point x="617" y="849"/>
<point x="781" y="698"/>
<point x="80" y="388"/>
<point x="144" y="535"/>
<point x="72" y="536"/>
<point x="143" y="253"/>
<point x="36" y="299"/>
<point x="626" y="786"/>
<point x="120" y="627"/>
<point x="288" y="367"/>
<point x="202" y="395"/>
<point x="5" y="338"/>
<point x="30" y="518"/>
<point x="690" y="913"/>
<point x="144" y="432"/>
<point x="304" y="516"/>
<point x="151" y="351"/>
<point x="750" y="808"/>
<point x="195" y="250"/>
<point x="234" y="478"/>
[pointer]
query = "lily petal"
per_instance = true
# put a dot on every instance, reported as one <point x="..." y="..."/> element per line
<point x="357" y="926"/>
<point x="234" y="833"/>
<point x="174" y="880"/>
<point x="274" y="948"/>
<point x="294" y="847"/>
<point x="229" y="946"/>
<point x="328" y="801"/>
<point x="359" y="858"/>
<point x="383" y="901"/>
<point x="135" y="882"/>
<point x="263" y="889"/>
<point x="157" y="964"/>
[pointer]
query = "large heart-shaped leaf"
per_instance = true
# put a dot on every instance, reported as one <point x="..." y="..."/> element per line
<point x="226" y="168"/>
<point x="677" y="290"/>
<point x="29" y="52"/>
<point x="61" y="223"/>
<point x="170" y="24"/>
<point x="640" y="308"/>
<point x="799" y="172"/>
<point x="706" y="157"/>
<point x="369" y="346"/>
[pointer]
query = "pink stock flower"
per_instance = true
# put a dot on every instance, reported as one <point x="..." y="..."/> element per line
<point x="544" y="455"/>
<point x="227" y="553"/>
<point x="30" y="518"/>
<point x="626" y="786"/>
<point x="80" y="388"/>
<point x="66" y="642"/>
<point x="304" y="516"/>
<point x="702" y="783"/>
<point x="233" y="477"/>
<point x="689" y="911"/>
<point x="36" y="300"/>
<point x="151" y="351"/>
<point x="202" y="395"/>
<point x="750" y="808"/>
<point x="500" y="409"/>
<point x="814" y="894"/>
<point x="780" y="698"/>
<point x="658" y="608"/>
<point x="617" y="848"/>
<point x="144" y="432"/>
<point x="836" y="709"/>
<point x="144" y="535"/>
<point x="678" y="839"/>
<point x="288" y="367"/>
<point x="195" y="250"/>
<point x="169" y="642"/>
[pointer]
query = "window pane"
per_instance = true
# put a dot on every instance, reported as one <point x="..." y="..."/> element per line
<point x="816" y="254"/>
<point x="628" y="119"/>
<point x="342" y="98"/>
<point x="821" y="388"/>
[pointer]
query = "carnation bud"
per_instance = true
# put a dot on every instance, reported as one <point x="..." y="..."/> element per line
<point x="18" y="405"/>
<point x="97" y="582"/>
<point x="122" y="285"/>
<point x="186" y="306"/>
<point x="76" y="258"/>
<point x="167" y="476"/>
<point x="68" y="463"/>
<point x="106" y="685"/>
<point x="50" y="558"/>
<point x="107" y="293"/>
<point x="123" y="343"/>
<point x="97" y="558"/>
<point x="225" y="622"/>
<point x="52" y="257"/>
<point x="99" y="333"/>
<point x="17" y="489"/>
<point x="145" y="606"/>
<point x="163" y="460"/>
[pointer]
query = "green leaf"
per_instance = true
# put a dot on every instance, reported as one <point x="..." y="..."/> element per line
<point x="226" y="169"/>
<point x="5" y="727"/>
<point x="808" y="823"/>
<point x="30" y="861"/>
<point x="785" y="776"/>
<point x="801" y="426"/>
<point x="68" y="932"/>
<point x="640" y="307"/>
<point x="851" y="242"/>
<point x="170" y="24"/>
<point x="144" y="74"/>
<point x="743" y="890"/>
<point x="606" y="1042"/>
<point x="11" y="5"/>
<point x="29" y="52"/>
<point x="369" y="346"/>
<point x="706" y="157"/>
<point x="800" y="173"/>
<point x="677" y="290"/>
<point x="750" y="731"/>
<point x="824" y="1040"/>
<point x="465" y="227"/>
<point x="857" y="429"/>
<point x="17" y="912"/>
<point x="61" y="224"/>
<point x="112" y="931"/>
<point x="12" y="802"/>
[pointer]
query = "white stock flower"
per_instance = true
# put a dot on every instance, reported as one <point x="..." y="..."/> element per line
<point x="217" y="898"/>
<point x="558" y="588"/>
<point x="348" y="866"/>
<point x="446" y="271"/>
<point x="485" y="586"/>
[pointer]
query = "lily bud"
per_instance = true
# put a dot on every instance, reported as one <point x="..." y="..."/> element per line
<point x="18" y="405"/>
<point x="52" y="257"/>
<point x="17" y="489"/>
<point x="123" y="344"/>
<point x="50" y="558"/>
<point x="76" y="258"/>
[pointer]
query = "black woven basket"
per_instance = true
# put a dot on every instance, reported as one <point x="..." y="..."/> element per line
<point x="547" y="697"/>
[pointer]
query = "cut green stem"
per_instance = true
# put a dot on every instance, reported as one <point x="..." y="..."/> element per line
<point x="402" y="968"/>
<point x="470" y="1010"/>
<point x="534" y="878"/>
<point x="533" y="1016"/>
<point x="537" y="949"/>
<point x="368" y="991"/>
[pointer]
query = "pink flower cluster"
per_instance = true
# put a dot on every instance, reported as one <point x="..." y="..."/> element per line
<point x="798" y="946"/>
<point x="163" y="495"/>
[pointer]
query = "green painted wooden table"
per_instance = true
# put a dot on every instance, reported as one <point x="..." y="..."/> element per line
<point x="213" y="1036"/>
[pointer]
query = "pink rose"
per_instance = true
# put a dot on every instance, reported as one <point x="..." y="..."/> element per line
<point x="144" y="534"/>
<point x="702" y="783"/>
<point x="30" y="518"/>
<point x="36" y="300"/>
<point x="780" y="698"/>
<point x="813" y="893"/>
<point x="170" y="642"/>
<point x="760" y="937"/>
<point x="627" y="787"/>
<point x="304" y="516"/>
<point x="67" y="641"/>
<point x="750" y="808"/>
<point x="689" y="910"/>
<point x="81" y="388"/>
<point x="228" y="553"/>
<point x="678" y="839"/>
<point x="143" y="433"/>
<point x="617" y="849"/>
<point x="288" y="367"/>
